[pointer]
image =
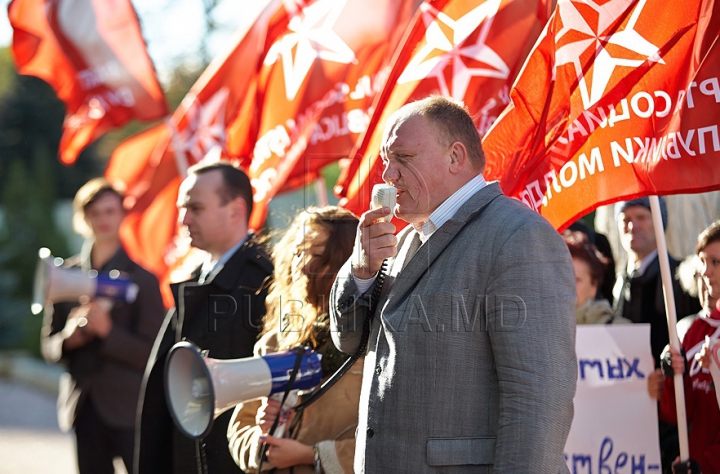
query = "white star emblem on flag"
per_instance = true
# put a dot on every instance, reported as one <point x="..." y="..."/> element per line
<point x="311" y="37"/>
<point x="425" y="65"/>
<point x="206" y="125"/>
<point x="604" y="63"/>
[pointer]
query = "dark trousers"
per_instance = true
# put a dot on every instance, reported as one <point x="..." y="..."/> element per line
<point x="98" y="443"/>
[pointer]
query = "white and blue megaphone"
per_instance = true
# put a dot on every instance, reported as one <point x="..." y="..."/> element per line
<point x="199" y="389"/>
<point x="57" y="284"/>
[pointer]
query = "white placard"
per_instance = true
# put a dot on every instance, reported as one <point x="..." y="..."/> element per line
<point x="615" y="428"/>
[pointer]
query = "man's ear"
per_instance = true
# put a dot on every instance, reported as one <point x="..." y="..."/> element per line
<point x="458" y="157"/>
<point x="239" y="208"/>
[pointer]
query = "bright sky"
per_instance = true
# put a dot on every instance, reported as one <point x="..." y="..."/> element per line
<point x="172" y="28"/>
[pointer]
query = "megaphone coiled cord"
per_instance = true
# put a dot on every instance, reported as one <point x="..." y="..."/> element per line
<point x="200" y="457"/>
<point x="361" y="349"/>
<point x="337" y="375"/>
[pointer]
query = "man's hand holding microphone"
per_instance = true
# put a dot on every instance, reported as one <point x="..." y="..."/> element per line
<point x="375" y="240"/>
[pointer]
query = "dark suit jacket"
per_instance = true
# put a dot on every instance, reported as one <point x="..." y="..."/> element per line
<point x="160" y="446"/>
<point x="106" y="372"/>
<point x="641" y="300"/>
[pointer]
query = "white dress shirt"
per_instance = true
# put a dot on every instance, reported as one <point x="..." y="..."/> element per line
<point x="439" y="216"/>
<point x="210" y="267"/>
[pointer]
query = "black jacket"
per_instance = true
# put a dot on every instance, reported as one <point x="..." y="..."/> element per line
<point x="107" y="372"/>
<point x="160" y="446"/>
<point x="641" y="300"/>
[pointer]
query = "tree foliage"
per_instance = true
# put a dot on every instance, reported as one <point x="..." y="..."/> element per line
<point x="32" y="180"/>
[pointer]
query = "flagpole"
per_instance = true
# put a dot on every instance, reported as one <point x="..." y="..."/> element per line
<point x="321" y="191"/>
<point x="180" y="159"/>
<point x="672" y="324"/>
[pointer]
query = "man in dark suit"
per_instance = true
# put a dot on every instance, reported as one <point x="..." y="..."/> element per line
<point x="215" y="202"/>
<point x="105" y="345"/>
<point x="470" y="364"/>
<point x="638" y="290"/>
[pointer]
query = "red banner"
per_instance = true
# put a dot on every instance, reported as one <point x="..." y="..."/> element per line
<point x="153" y="164"/>
<point x="616" y="101"/>
<point x="290" y="96"/>
<point x="93" y="54"/>
<point x="143" y="167"/>
<point x="314" y="91"/>
<point x="223" y="90"/>
<point x="466" y="49"/>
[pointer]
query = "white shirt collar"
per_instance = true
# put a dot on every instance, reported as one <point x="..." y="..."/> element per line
<point x="644" y="263"/>
<point x="450" y="206"/>
<point x="210" y="267"/>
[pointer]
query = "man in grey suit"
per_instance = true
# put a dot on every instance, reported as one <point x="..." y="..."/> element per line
<point x="470" y="365"/>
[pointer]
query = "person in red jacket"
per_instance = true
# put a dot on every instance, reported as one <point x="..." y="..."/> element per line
<point x="703" y="413"/>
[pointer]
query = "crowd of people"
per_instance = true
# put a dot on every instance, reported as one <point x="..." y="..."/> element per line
<point x="456" y="333"/>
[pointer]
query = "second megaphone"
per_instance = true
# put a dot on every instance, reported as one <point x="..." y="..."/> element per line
<point x="57" y="284"/>
<point x="199" y="389"/>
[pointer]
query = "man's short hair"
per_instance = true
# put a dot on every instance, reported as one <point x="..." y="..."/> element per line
<point x="86" y="196"/>
<point x="643" y="202"/>
<point x="708" y="236"/>
<point x="235" y="183"/>
<point x="455" y="124"/>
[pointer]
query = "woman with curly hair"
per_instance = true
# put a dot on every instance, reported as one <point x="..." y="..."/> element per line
<point x="306" y="259"/>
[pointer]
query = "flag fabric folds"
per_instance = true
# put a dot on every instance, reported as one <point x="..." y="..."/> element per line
<point x="93" y="54"/>
<point x="301" y="73"/>
<point x="470" y="50"/>
<point x="313" y="92"/>
<point x="618" y="99"/>
<point x="151" y="165"/>
<point x="143" y="166"/>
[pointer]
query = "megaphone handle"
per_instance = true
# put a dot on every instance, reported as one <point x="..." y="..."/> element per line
<point x="280" y="429"/>
<point x="105" y="303"/>
<point x="290" y="402"/>
<point x="288" y="388"/>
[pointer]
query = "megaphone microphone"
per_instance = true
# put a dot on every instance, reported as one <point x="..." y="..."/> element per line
<point x="384" y="195"/>
<point x="199" y="389"/>
<point x="55" y="283"/>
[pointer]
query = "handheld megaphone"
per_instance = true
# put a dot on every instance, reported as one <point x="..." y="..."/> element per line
<point x="55" y="283"/>
<point x="384" y="195"/>
<point x="199" y="389"/>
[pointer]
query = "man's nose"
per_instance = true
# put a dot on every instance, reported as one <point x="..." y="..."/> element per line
<point x="390" y="174"/>
<point x="183" y="217"/>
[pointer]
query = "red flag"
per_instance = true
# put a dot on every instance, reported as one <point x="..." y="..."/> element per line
<point x="140" y="165"/>
<point x="466" y="49"/>
<point x="227" y="108"/>
<point x="314" y="91"/>
<point x="222" y="91"/>
<point x="93" y="54"/>
<point x="152" y="165"/>
<point x="616" y="101"/>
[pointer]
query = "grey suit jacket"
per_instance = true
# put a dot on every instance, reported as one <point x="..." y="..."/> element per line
<point x="471" y="362"/>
